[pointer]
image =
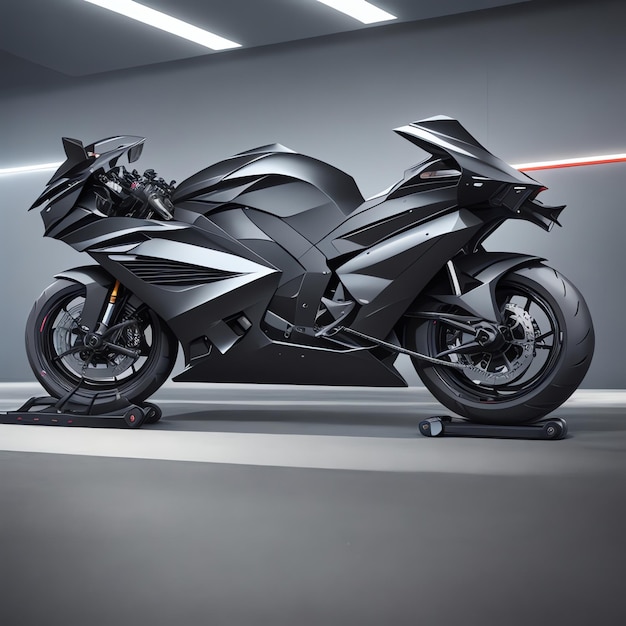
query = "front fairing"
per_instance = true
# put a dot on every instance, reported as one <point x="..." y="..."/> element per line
<point x="67" y="183"/>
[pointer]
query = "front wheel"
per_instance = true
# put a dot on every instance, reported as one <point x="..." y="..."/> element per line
<point x="532" y="363"/>
<point x="134" y="363"/>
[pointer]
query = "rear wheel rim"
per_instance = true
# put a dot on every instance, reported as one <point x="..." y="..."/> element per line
<point x="473" y="385"/>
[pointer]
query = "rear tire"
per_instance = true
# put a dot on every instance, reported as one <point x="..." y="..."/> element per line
<point x="54" y="337"/>
<point x="563" y="347"/>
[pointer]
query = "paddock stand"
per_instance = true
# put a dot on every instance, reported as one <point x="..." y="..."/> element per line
<point x="103" y="412"/>
<point x="445" y="426"/>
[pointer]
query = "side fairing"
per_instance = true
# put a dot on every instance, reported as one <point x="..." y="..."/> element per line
<point x="202" y="282"/>
<point x="385" y="278"/>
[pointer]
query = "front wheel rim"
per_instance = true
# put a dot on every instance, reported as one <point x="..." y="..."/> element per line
<point x="59" y="337"/>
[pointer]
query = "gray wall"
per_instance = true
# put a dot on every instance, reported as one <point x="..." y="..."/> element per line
<point x="535" y="81"/>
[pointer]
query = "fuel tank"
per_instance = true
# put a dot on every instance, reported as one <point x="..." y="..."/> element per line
<point x="309" y="195"/>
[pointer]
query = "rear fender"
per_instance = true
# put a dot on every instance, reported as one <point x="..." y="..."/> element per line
<point x="474" y="279"/>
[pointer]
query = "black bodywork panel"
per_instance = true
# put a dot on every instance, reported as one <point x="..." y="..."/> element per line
<point x="269" y="249"/>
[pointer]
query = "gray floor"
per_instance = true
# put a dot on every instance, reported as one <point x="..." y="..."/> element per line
<point x="253" y="506"/>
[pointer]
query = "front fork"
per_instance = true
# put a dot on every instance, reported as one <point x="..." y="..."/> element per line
<point x="103" y="325"/>
<point x="102" y="337"/>
<point x="95" y="323"/>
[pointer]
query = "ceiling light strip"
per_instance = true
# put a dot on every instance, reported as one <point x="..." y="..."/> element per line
<point x="360" y="10"/>
<point x="172" y="25"/>
<point x="591" y="160"/>
<point x="29" y="168"/>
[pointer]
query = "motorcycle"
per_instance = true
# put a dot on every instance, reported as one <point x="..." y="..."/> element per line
<point x="270" y="267"/>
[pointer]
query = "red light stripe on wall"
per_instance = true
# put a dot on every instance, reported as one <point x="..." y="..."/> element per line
<point x="550" y="165"/>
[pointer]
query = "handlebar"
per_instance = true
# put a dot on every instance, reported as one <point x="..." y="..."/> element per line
<point x="145" y="188"/>
<point x="162" y="205"/>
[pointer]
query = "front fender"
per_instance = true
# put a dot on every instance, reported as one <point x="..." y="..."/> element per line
<point x="474" y="278"/>
<point x="98" y="283"/>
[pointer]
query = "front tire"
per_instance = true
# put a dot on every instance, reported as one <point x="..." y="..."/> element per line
<point x="54" y="336"/>
<point x="528" y="377"/>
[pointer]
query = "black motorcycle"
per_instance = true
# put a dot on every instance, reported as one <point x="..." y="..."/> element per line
<point x="270" y="267"/>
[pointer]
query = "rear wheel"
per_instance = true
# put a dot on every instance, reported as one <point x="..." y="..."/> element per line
<point x="540" y="355"/>
<point x="135" y="361"/>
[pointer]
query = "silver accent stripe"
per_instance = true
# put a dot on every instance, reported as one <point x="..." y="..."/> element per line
<point x="454" y="279"/>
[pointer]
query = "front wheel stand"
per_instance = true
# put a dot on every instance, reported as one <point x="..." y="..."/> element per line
<point x="445" y="426"/>
<point x="49" y="411"/>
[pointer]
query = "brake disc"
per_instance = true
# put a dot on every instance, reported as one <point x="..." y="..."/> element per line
<point x="68" y="334"/>
<point x="513" y="360"/>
